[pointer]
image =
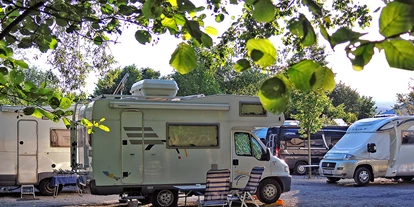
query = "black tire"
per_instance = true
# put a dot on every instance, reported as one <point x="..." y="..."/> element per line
<point x="164" y="198"/>
<point x="299" y="169"/>
<point x="46" y="188"/>
<point x="407" y="179"/>
<point x="268" y="191"/>
<point x="332" y="179"/>
<point x="362" y="176"/>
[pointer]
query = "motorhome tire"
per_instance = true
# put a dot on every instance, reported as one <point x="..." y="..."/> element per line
<point x="164" y="198"/>
<point x="299" y="169"/>
<point x="332" y="179"/>
<point x="46" y="188"/>
<point x="362" y="176"/>
<point x="269" y="191"/>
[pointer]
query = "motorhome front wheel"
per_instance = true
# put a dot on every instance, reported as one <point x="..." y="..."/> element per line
<point x="362" y="176"/>
<point x="269" y="191"/>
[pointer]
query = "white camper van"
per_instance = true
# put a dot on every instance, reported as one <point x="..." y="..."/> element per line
<point x="30" y="149"/>
<point x="371" y="148"/>
<point x="157" y="141"/>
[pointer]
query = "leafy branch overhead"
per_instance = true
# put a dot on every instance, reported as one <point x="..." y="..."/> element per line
<point x="36" y="23"/>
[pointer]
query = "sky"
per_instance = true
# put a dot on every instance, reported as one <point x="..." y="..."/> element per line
<point x="377" y="80"/>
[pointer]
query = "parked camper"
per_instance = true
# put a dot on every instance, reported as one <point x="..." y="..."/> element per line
<point x="288" y="144"/>
<point x="30" y="149"/>
<point x="372" y="148"/>
<point x="157" y="141"/>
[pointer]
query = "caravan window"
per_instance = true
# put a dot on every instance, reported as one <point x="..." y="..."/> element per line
<point x="59" y="137"/>
<point x="193" y="135"/>
<point x="252" y="109"/>
<point x="407" y="137"/>
<point x="246" y="145"/>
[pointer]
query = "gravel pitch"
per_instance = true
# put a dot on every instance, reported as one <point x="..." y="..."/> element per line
<point x="305" y="192"/>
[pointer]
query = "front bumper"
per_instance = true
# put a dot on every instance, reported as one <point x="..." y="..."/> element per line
<point x="286" y="183"/>
<point x="338" y="168"/>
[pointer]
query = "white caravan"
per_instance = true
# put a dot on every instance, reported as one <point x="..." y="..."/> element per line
<point x="372" y="148"/>
<point x="30" y="149"/>
<point x="157" y="141"/>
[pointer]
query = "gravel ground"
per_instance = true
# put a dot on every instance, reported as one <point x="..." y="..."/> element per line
<point x="304" y="192"/>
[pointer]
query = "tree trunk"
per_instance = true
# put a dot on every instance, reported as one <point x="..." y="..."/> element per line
<point x="309" y="156"/>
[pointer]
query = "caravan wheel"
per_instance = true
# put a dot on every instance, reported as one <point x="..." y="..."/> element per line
<point x="46" y="189"/>
<point x="362" y="176"/>
<point x="164" y="198"/>
<point x="268" y="191"/>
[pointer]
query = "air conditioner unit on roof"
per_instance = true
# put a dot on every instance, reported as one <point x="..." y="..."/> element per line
<point x="155" y="87"/>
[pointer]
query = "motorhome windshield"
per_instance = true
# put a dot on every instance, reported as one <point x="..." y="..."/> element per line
<point x="352" y="140"/>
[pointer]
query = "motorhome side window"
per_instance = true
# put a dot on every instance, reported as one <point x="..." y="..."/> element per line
<point x="252" y="109"/>
<point x="246" y="145"/>
<point x="59" y="137"/>
<point x="192" y="136"/>
<point x="407" y="137"/>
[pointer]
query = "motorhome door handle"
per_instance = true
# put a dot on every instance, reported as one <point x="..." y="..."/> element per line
<point x="235" y="162"/>
<point x="132" y="154"/>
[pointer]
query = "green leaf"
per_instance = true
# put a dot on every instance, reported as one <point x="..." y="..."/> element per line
<point x="361" y="55"/>
<point x="44" y="91"/>
<point x="219" y="18"/>
<point x="104" y="128"/>
<point x="242" y="65"/>
<point x="68" y="113"/>
<point x="180" y="19"/>
<point x="54" y="102"/>
<point x="98" y="40"/>
<point x="29" y="86"/>
<point x="325" y="33"/>
<point x="102" y="120"/>
<point x="37" y="113"/>
<point x="66" y="122"/>
<point x="61" y="22"/>
<point x="65" y="103"/>
<point x="46" y="114"/>
<point x="170" y="24"/>
<point x="274" y="94"/>
<point x="86" y="122"/>
<point x="396" y="18"/>
<point x="307" y="75"/>
<point x="266" y="47"/>
<point x="206" y="40"/>
<point x="302" y="28"/>
<point x="152" y="9"/>
<point x="173" y="3"/>
<point x="399" y="53"/>
<point x="28" y="111"/>
<point x="344" y="34"/>
<point x="4" y="70"/>
<point x="3" y="80"/>
<point x="323" y="78"/>
<point x="143" y="37"/>
<point x="16" y="76"/>
<point x="186" y="5"/>
<point x="313" y="7"/>
<point x="53" y="43"/>
<point x="184" y="59"/>
<point x="126" y="10"/>
<point x="22" y="64"/>
<point x="211" y="31"/>
<point x="193" y="27"/>
<point x="263" y="11"/>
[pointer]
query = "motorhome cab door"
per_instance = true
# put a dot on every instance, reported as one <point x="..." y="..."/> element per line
<point x="246" y="154"/>
<point x="27" y="137"/>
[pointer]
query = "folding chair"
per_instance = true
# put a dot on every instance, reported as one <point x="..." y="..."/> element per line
<point x="251" y="187"/>
<point x="217" y="188"/>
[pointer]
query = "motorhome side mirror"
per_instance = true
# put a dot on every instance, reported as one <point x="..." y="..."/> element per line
<point x="371" y="147"/>
<point x="266" y="155"/>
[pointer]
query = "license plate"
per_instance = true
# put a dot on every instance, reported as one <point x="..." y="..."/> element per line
<point x="327" y="172"/>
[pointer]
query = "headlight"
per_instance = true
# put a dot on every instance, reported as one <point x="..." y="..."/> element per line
<point x="349" y="157"/>
<point x="286" y="168"/>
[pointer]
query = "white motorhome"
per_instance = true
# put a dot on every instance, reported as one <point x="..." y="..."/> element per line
<point x="372" y="148"/>
<point x="30" y="149"/>
<point x="157" y="141"/>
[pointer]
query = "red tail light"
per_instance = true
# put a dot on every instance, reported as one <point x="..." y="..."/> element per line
<point x="277" y="152"/>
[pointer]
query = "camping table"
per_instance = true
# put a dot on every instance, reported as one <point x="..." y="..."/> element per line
<point x="63" y="180"/>
<point x="188" y="189"/>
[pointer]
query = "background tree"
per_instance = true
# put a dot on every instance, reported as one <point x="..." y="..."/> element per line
<point x="109" y="82"/>
<point x="405" y="102"/>
<point x="310" y="107"/>
<point x="361" y="106"/>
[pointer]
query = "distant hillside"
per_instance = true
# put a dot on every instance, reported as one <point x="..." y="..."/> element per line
<point x="384" y="106"/>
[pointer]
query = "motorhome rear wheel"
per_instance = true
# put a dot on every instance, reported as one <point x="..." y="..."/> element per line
<point x="299" y="169"/>
<point x="269" y="191"/>
<point x="332" y="179"/>
<point x="164" y="198"/>
<point x="362" y="176"/>
<point x="46" y="188"/>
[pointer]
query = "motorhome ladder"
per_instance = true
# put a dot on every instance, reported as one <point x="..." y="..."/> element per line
<point x="27" y="190"/>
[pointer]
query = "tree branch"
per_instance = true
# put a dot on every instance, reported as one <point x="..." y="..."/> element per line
<point x="9" y="27"/>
